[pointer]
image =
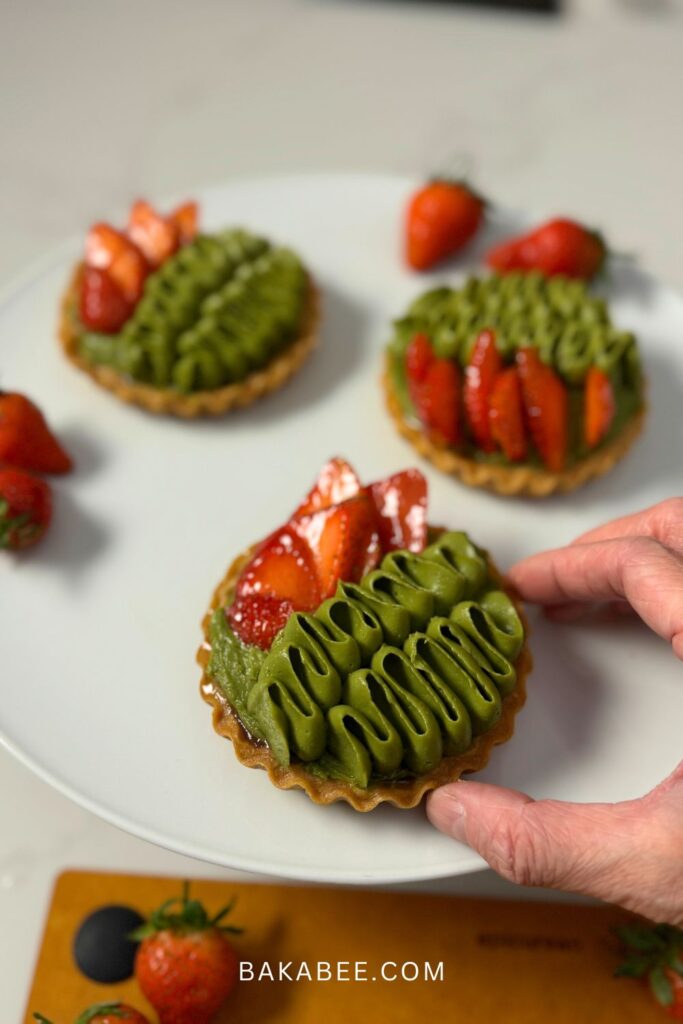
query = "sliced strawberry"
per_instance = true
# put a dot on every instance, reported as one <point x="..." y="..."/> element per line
<point x="336" y="482"/>
<point x="546" y="404"/>
<point x="506" y="412"/>
<point x="344" y="540"/>
<point x="258" y="618"/>
<point x="481" y="371"/>
<point x="110" y="250"/>
<point x="156" y="237"/>
<point x="186" y="220"/>
<point x="419" y="357"/>
<point x="599" y="406"/>
<point x="283" y="567"/>
<point x="401" y="504"/>
<point x="103" y="306"/>
<point x="437" y="400"/>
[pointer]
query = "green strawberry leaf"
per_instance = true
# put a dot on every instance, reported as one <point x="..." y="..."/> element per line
<point x="644" y="940"/>
<point x="662" y="988"/>
<point x="675" y="962"/>
<point x="190" y="916"/>
<point x="636" y="967"/>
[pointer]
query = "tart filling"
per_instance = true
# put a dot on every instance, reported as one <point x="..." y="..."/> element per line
<point x="409" y="665"/>
<point x="573" y="382"/>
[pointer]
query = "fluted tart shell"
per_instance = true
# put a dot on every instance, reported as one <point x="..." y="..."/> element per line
<point x="214" y="402"/>
<point x="404" y="794"/>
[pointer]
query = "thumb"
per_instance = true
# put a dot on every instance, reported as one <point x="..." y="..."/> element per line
<point x="617" y="852"/>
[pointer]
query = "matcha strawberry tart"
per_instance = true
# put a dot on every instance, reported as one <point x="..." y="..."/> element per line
<point x="519" y="383"/>
<point x="184" y="322"/>
<point x="359" y="653"/>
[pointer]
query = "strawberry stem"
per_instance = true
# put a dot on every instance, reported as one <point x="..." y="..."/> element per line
<point x="651" y="953"/>
<point x="190" y="917"/>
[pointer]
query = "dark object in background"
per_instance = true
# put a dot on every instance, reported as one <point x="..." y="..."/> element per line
<point x="539" y="6"/>
<point x="103" y="950"/>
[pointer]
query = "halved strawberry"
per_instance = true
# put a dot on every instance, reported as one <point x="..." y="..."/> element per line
<point x="156" y="237"/>
<point x="283" y="567"/>
<point x="401" y="504"/>
<point x="344" y="540"/>
<point x="506" y="413"/>
<point x="110" y="250"/>
<point x="103" y="306"/>
<point x="258" y="618"/>
<point x="437" y="401"/>
<point x="546" y="404"/>
<point x="336" y="482"/>
<point x="480" y="373"/>
<point x="419" y="357"/>
<point x="186" y="220"/>
<point x="599" y="406"/>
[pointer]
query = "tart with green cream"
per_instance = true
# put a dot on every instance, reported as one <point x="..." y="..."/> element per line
<point x="519" y="383"/>
<point x="360" y="654"/>
<point x="184" y="322"/>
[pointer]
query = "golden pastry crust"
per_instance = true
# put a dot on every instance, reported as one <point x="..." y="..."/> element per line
<point x="520" y="480"/>
<point x="166" y="401"/>
<point x="255" y="754"/>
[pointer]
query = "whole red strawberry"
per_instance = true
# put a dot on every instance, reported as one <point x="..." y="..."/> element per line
<point x="185" y="965"/>
<point x="26" y="440"/>
<point x="442" y="217"/>
<point x="656" y="955"/>
<point x="560" y="246"/>
<point x="25" y="508"/>
<point x="104" y="1013"/>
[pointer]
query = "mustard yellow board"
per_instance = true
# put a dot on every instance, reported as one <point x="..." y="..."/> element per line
<point x="511" y="962"/>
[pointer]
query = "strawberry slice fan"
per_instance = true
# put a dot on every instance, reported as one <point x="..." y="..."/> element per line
<point x="360" y="654"/>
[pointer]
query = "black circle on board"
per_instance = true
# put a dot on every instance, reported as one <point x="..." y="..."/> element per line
<point x="103" y="949"/>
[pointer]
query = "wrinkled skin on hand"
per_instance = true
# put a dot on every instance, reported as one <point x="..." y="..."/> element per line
<point x="628" y="853"/>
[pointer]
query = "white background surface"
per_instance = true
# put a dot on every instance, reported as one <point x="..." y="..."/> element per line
<point x="99" y="103"/>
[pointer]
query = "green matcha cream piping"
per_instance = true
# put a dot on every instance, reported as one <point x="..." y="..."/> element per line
<point x="219" y="309"/>
<point x="388" y="676"/>
<point x="570" y="327"/>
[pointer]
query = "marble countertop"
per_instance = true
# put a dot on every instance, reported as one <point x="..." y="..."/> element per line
<point x="102" y="102"/>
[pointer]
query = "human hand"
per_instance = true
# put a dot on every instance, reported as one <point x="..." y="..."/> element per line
<point x="628" y="853"/>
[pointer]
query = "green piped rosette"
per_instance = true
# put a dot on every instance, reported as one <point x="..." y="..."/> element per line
<point x="217" y="311"/>
<point x="395" y="685"/>
<point x="568" y="324"/>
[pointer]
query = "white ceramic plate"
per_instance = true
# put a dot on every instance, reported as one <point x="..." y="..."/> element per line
<point x="99" y="625"/>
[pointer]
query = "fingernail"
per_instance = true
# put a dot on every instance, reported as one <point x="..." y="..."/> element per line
<point x="445" y="811"/>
